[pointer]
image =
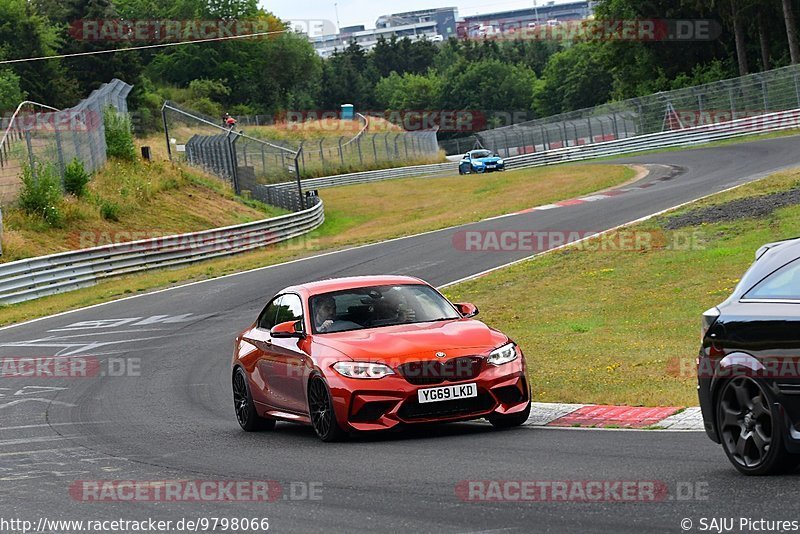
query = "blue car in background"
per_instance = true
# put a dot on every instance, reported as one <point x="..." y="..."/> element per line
<point x="481" y="161"/>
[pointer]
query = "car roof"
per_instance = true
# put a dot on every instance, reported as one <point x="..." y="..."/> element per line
<point x="353" y="282"/>
<point x="770" y="258"/>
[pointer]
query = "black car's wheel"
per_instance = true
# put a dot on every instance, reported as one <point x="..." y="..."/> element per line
<point x="750" y="429"/>
<point x="461" y="171"/>
<point x="508" y="421"/>
<point x="246" y="413"/>
<point x="320" y="407"/>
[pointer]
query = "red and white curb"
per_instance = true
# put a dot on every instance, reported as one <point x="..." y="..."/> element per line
<point x="614" y="417"/>
<point x="595" y="197"/>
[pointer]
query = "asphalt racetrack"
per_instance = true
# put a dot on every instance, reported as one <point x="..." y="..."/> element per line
<point x="176" y="422"/>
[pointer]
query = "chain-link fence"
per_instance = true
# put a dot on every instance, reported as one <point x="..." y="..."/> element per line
<point x="246" y="162"/>
<point x="38" y="134"/>
<point x="713" y="103"/>
<point x="250" y="157"/>
<point x="367" y="151"/>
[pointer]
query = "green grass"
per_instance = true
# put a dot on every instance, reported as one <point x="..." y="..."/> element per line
<point x="130" y="200"/>
<point x="622" y="327"/>
<point x="364" y="214"/>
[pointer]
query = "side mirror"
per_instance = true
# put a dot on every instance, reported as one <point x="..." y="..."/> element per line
<point x="467" y="310"/>
<point x="286" y="330"/>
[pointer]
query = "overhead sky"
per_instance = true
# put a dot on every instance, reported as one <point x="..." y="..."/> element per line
<point x="354" y="12"/>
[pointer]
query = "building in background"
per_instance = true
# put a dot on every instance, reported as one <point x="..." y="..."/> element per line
<point x="444" y="17"/>
<point x="442" y="23"/>
<point x="432" y="24"/>
<point x="547" y="13"/>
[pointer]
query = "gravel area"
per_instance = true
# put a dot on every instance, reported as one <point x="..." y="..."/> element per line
<point x="745" y="208"/>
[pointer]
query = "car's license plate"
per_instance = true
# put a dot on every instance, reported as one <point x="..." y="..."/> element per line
<point x="491" y="166"/>
<point x="463" y="391"/>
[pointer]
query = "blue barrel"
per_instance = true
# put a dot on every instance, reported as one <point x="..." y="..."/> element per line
<point x="348" y="112"/>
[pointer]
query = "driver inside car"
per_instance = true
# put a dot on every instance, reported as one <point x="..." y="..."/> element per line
<point x="325" y="315"/>
<point x="394" y="306"/>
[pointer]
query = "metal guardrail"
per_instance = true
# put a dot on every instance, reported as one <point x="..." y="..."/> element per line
<point x="771" y="122"/>
<point x="33" y="278"/>
<point x="716" y="102"/>
<point x="436" y="169"/>
<point x="768" y="123"/>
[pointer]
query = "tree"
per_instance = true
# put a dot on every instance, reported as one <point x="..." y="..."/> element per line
<point x="578" y="77"/>
<point x="25" y="33"/>
<point x="791" y="31"/>
<point x="409" y="91"/>
<point x="10" y="92"/>
<point x="91" y="71"/>
<point x="488" y="85"/>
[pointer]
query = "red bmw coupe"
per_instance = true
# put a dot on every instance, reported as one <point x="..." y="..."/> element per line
<point x="372" y="353"/>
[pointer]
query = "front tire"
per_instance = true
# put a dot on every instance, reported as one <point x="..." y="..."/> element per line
<point x="246" y="413"/>
<point x="320" y="408"/>
<point x="750" y="429"/>
<point x="510" y="421"/>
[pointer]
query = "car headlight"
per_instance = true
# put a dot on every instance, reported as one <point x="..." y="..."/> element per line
<point x="362" y="370"/>
<point x="500" y="162"/>
<point x="505" y="354"/>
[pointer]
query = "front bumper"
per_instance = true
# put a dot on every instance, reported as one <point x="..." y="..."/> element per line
<point x="368" y="405"/>
<point x="490" y="168"/>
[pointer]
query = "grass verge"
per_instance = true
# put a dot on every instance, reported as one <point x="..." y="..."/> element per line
<point x="622" y="327"/>
<point x="362" y="214"/>
<point x="129" y="201"/>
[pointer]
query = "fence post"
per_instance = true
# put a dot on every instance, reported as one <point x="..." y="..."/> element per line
<point x="360" y="154"/>
<point x="386" y="140"/>
<point x="299" y="183"/>
<point x="30" y="149"/>
<point x="60" y="152"/>
<point x="322" y="153"/>
<point x="166" y="129"/>
<point x="302" y="155"/>
<point x="263" y="159"/>
<point x="375" y="148"/>
<point x="234" y="164"/>
<point x="341" y="153"/>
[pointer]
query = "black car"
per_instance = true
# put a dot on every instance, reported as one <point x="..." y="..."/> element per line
<point x="749" y="365"/>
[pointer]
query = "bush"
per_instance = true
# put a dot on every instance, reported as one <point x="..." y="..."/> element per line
<point x="119" y="136"/>
<point x="109" y="210"/>
<point x="41" y="193"/>
<point x="76" y="178"/>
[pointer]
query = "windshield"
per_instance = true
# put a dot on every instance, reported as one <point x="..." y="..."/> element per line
<point x="481" y="154"/>
<point x="377" y="306"/>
